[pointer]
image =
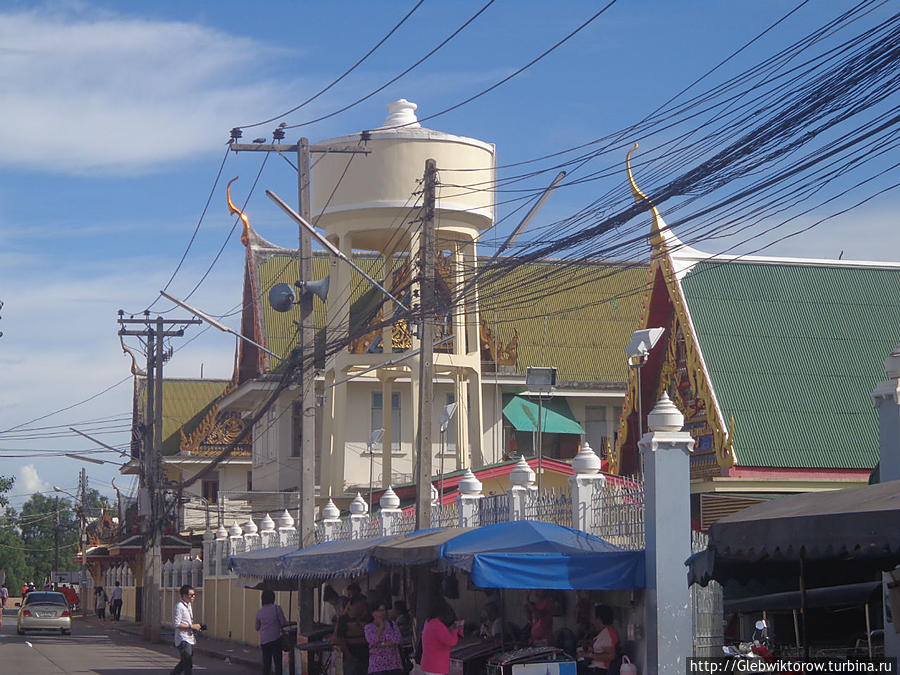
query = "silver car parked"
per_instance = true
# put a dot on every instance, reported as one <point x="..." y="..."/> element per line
<point x="44" y="610"/>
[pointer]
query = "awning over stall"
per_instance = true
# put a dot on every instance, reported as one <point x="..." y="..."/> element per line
<point x="334" y="558"/>
<point x="264" y="563"/>
<point x="534" y="554"/>
<point x="556" y="416"/>
<point x="417" y="548"/>
<point x="846" y="595"/>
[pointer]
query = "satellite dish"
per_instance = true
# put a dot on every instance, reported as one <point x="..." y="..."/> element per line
<point x="281" y="298"/>
<point x="318" y="288"/>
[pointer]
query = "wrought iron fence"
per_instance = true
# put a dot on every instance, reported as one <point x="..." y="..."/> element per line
<point x="371" y="529"/>
<point x="617" y="513"/>
<point x="551" y="506"/>
<point x="445" y="515"/>
<point x="493" y="509"/>
<point x="407" y="523"/>
<point x="707" y="611"/>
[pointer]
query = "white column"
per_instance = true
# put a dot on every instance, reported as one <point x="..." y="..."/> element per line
<point x="197" y="573"/>
<point x="287" y="533"/>
<point x="209" y="544"/>
<point x="267" y="534"/>
<point x="666" y="454"/>
<point x="584" y="486"/>
<point x="167" y="574"/>
<point x="476" y="424"/>
<point x="221" y="550"/>
<point x="469" y="498"/>
<point x="387" y="417"/>
<point x="359" y="516"/>
<point x="522" y="489"/>
<point x="390" y="513"/>
<point x="235" y="543"/>
<point x="251" y="535"/>
<point x="886" y="399"/>
<point x="331" y="521"/>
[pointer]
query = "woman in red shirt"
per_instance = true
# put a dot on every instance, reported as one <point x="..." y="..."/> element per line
<point x="441" y="632"/>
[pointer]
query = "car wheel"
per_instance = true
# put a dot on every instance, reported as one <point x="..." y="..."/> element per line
<point x="20" y="631"/>
<point x="65" y="632"/>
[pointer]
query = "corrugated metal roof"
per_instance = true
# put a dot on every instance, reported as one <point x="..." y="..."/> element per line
<point x="574" y="316"/>
<point x="793" y="352"/>
<point x="185" y="404"/>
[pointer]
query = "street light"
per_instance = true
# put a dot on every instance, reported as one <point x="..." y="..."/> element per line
<point x="638" y="351"/>
<point x="542" y="381"/>
<point x="370" y="445"/>
<point x="81" y="537"/>
<point x="446" y="418"/>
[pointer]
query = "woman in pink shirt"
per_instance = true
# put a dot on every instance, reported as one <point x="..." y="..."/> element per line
<point x="440" y="633"/>
<point x="269" y="620"/>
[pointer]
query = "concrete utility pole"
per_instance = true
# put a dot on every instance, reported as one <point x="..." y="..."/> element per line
<point x="426" y="358"/>
<point x="56" y="543"/>
<point x="82" y="584"/>
<point x="152" y="481"/>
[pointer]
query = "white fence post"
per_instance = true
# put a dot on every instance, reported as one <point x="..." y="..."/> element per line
<point x="287" y="535"/>
<point x="235" y="544"/>
<point x="331" y="521"/>
<point x="390" y="512"/>
<point x="197" y="573"/>
<point x="359" y="516"/>
<point x="584" y="485"/>
<point x="267" y="532"/>
<point x="167" y="574"/>
<point x="468" y="500"/>
<point x="221" y="549"/>
<point x="251" y="535"/>
<point x="521" y="490"/>
<point x="666" y="454"/>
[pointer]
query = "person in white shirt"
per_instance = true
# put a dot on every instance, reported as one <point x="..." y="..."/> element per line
<point x="184" y="625"/>
<point x="115" y="603"/>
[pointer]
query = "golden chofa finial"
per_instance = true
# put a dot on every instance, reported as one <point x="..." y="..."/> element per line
<point x="232" y="209"/>
<point x="655" y="229"/>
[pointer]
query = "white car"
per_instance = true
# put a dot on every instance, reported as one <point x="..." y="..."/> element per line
<point x="44" y="610"/>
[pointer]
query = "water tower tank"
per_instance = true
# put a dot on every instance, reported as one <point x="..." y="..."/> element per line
<point x="377" y="190"/>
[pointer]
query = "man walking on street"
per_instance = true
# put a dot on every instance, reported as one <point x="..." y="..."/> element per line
<point x="115" y="603"/>
<point x="184" y="631"/>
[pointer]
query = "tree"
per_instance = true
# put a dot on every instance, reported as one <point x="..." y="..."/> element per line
<point x="38" y="524"/>
<point x="12" y="555"/>
<point x="12" y="552"/>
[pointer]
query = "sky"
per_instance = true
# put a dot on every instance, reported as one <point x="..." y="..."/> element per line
<point x="115" y="122"/>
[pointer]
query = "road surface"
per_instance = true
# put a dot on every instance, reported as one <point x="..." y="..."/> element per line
<point x="93" y="648"/>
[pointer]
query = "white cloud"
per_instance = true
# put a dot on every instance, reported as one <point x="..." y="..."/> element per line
<point x="29" y="481"/>
<point x="83" y="92"/>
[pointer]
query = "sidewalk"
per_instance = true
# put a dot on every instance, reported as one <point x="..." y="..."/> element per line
<point x="218" y="648"/>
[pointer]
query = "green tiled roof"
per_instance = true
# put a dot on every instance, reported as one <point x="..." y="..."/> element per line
<point x="185" y="404"/>
<point x="577" y="317"/>
<point x="582" y="330"/>
<point x="793" y="352"/>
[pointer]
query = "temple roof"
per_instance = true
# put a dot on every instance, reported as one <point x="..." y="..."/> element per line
<point x="793" y="350"/>
<point x="575" y="316"/>
<point x="186" y="404"/>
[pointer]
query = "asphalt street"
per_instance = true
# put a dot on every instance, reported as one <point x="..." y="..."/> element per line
<point x="92" y="648"/>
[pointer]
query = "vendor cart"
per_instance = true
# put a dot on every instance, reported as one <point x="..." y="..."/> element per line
<point x="471" y="659"/>
<point x="532" y="661"/>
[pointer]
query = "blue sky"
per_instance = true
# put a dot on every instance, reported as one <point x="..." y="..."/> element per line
<point x="115" y="118"/>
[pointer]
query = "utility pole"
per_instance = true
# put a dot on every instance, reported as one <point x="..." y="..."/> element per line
<point x="82" y="584"/>
<point x="426" y="358"/>
<point x="152" y="482"/>
<point x="55" y="543"/>
<point x="307" y="382"/>
<point x="306" y="344"/>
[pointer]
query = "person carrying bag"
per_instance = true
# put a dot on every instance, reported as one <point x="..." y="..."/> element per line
<point x="269" y="621"/>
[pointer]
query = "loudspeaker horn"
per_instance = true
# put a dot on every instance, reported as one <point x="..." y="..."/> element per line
<point x="318" y="288"/>
<point x="282" y="297"/>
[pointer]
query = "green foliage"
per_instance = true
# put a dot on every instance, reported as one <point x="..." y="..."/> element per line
<point x="12" y="555"/>
<point x="38" y="524"/>
<point x="6" y="482"/>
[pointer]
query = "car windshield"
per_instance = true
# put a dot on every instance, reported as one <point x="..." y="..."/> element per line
<point x="37" y="597"/>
